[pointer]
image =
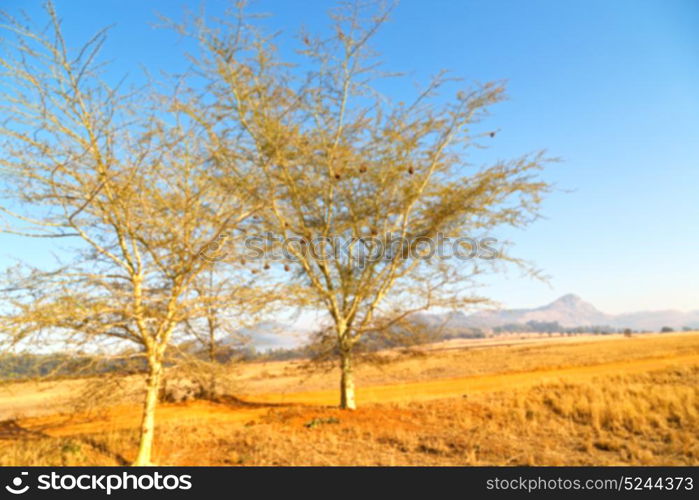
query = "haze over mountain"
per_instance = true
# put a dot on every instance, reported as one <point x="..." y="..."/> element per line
<point x="569" y="311"/>
<point x="267" y="335"/>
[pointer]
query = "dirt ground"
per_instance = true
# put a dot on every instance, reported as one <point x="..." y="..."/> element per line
<point x="556" y="384"/>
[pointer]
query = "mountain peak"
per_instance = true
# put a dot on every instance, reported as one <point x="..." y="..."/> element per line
<point x="569" y="311"/>
<point x="569" y="299"/>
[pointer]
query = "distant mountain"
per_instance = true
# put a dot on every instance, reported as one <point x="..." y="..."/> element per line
<point x="654" y="320"/>
<point x="568" y="311"/>
<point x="267" y="335"/>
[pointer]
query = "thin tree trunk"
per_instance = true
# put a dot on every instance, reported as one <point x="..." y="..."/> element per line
<point x="147" y="432"/>
<point x="212" y="360"/>
<point x="347" y="401"/>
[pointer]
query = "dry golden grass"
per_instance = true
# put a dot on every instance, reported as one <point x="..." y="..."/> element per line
<point x="595" y="414"/>
<point x="471" y="358"/>
<point x="649" y="419"/>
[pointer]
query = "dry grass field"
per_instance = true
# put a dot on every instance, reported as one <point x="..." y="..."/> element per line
<point x="561" y="401"/>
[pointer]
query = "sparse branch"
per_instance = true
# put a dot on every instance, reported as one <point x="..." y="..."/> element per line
<point x="133" y="181"/>
<point x="340" y="163"/>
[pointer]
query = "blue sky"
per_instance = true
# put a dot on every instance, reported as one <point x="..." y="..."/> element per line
<point x="610" y="87"/>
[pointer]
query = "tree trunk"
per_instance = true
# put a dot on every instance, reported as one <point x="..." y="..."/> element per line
<point x="346" y="382"/>
<point x="145" y="447"/>
<point x="212" y="363"/>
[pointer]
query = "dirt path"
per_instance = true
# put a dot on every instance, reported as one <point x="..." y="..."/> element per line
<point x="124" y="417"/>
<point x="456" y="387"/>
<point x="128" y="417"/>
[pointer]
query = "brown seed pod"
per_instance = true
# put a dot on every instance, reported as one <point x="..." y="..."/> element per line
<point x="362" y="169"/>
<point x="253" y="271"/>
<point x="337" y="176"/>
<point x="242" y="262"/>
<point x="266" y="267"/>
<point x="286" y="267"/>
<point x="411" y="171"/>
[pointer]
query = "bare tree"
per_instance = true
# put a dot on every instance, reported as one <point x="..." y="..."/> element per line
<point x="132" y="185"/>
<point x="347" y="173"/>
<point x="214" y="339"/>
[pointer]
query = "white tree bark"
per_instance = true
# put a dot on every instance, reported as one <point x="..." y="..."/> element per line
<point x="147" y="431"/>
<point x="347" y="401"/>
